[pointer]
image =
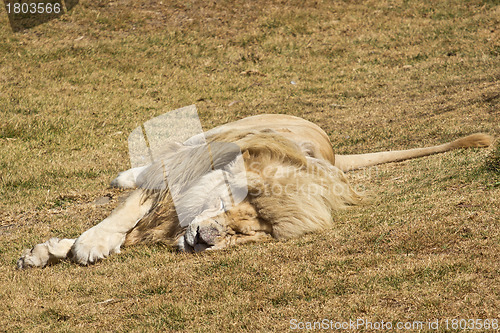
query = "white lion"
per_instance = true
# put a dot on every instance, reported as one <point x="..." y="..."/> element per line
<point x="292" y="179"/>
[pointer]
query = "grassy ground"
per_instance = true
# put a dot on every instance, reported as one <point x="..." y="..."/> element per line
<point x="375" y="75"/>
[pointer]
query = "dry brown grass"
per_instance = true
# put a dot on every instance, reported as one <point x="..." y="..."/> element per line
<point x="375" y="75"/>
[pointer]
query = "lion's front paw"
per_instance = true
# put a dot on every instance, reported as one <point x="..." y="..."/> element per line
<point x="203" y="235"/>
<point x="94" y="245"/>
<point x="38" y="256"/>
<point x="45" y="254"/>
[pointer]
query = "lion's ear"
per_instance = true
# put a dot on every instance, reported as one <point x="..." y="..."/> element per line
<point x="246" y="155"/>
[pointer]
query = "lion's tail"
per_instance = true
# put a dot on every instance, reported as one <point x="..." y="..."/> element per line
<point x="353" y="162"/>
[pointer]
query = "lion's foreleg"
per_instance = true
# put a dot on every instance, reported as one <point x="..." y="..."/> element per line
<point x="96" y="243"/>
<point x="108" y="236"/>
<point x="237" y="239"/>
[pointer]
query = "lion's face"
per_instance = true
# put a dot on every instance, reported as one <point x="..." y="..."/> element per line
<point x="212" y="231"/>
<point x="205" y="234"/>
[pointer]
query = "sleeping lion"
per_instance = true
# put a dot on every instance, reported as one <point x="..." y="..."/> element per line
<point x="284" y="165"/>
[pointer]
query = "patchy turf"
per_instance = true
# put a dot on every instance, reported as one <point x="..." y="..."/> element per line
<point x="375" y="75"/>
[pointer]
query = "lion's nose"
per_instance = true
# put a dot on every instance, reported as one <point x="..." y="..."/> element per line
<point x="203" y="234"/>
<point x="208" y="234"/>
